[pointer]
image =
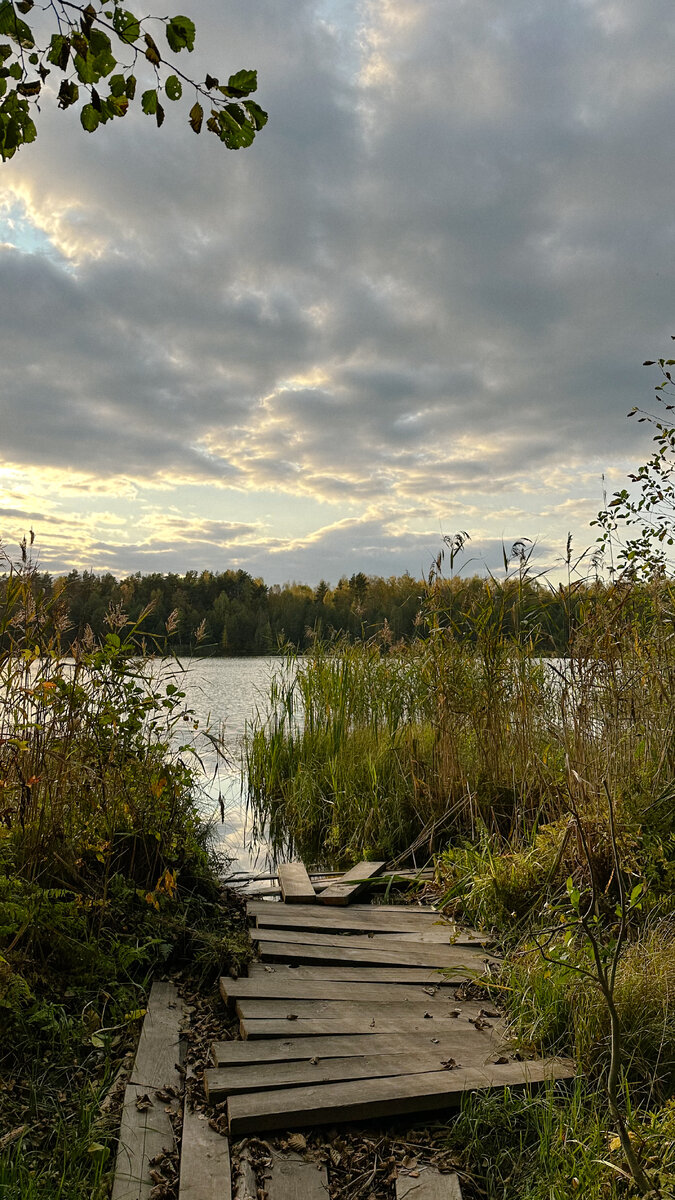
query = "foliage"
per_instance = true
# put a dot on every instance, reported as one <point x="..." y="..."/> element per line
<point x="105" y="877"/>
<point x="647" y="509"/>
<point x="96" y="50"/>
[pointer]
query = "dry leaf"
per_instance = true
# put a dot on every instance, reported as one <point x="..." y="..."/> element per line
<point x="297" y="1142"/>
<point x="144" y="1103"/>
<point x="291" y="1016"/>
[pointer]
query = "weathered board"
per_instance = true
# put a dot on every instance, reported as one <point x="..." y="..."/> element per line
<point x="205" y="1172"/>
<point x="458" y="1051"/>
<point x="296" y="885"/>
<point x="297" y="1049"/>
<point x="362" y="919"/>
<point x="351" y="884"/>
<point x="382" y="1022"/>
<point x="361" y="1099"/>
<point x="292" y="1178"/>
<point x="403" y="954"/>
<point x="259" y="988"/>
<point x="427" y="1183"/>
<point x="319" y="937"/>
<point x="353" y="974"/>
<point x="146" y="1129"/>
<point x="429" y="1009"/>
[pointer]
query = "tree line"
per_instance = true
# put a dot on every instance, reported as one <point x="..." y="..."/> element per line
<point x="232" y="613"/>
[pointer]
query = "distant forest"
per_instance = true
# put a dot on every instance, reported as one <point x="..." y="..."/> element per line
<point x="231" y="613"/>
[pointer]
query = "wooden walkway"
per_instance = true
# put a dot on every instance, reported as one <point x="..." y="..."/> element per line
<point x="352" y="1012"/>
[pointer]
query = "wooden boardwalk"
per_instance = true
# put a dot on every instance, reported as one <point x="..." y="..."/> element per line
<point x="352" y="1012"/>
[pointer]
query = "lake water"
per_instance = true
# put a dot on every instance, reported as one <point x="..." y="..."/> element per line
<point x="224" y="694"/>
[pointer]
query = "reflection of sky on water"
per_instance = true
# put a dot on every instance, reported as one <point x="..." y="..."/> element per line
<point x="224" y="694"/>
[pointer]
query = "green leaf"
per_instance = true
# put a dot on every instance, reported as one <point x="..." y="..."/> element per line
<point x="117" y="85"/>
<point x="180" y="33"/>
<point x="241" y="84"/>
<point x="159" y="115"/>
<point x="14" y="27"/>
<point x="126" y="26"/>
<point x="131" y="86"/>
<point x="256" y="113"/>
<point x="149" y="102"/>
<point x="59" y="51"/>
<point x="173" y="87"/>
<point x="15" y="71"/>
<point x="89" y="118"/>
<point x="68" y="93"/>
<point x="5" y="51"/>
<point x="196" y="117"/>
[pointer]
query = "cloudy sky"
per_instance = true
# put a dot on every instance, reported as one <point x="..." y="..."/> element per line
<point x="419" y="303"/>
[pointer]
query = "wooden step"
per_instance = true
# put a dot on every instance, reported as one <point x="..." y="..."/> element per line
<point x="382" y="1022"/>
<point x="351" y="884"/>
<point x="444" y="1007"/>
<point x="355" y="974"/>
<point x="296" y="885"/>
<point x="427" y="1183"/>
<point x="362" y="1099"/>
<point x="292" y="1178"/>
<point x="406" y="954"/>
<point x="302" y="1049"/>
<point x="458" y="1050"/>
<point x="266" y="988"/>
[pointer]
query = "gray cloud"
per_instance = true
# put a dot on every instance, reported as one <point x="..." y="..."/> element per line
<point x="430" y="282"/>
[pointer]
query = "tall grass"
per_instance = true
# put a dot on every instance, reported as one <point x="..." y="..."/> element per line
<point x="364" y="744"/>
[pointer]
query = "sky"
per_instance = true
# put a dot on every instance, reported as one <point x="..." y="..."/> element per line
<point x="418" y="304"/>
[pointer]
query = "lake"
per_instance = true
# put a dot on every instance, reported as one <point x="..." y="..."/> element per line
<point x="224" y="694"/>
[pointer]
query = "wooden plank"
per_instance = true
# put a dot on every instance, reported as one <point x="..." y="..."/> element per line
<point x="408" y="955"/>
<point x="427" y="1183"/>
<point x="317" y="937"/>
<point x="294" y="1179"/>
<point x="381" y="1022"/>
<point x="351" y="884"/>
<point x="444" y="1009"/>
<point x="296" y="885"/>
<point x="466" y="1051"/>
<point x="256" y="906"/>
<point x="159" y="1044"/>
<point x="353" y="974"/>
<point x="302" y="1049"/>
<point x="146" y="1129"/>
<point x="376" y="919"/>
<point x="205" y="1172"/>
<point x="326" y="989"/>
<point x="245" y="1183"/>
<point x="363" y="1099"/>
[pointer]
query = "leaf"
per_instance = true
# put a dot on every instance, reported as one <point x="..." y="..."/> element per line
<point x="196" y="117"/>
<point x="68" y="93"/>
<point x="59" y="51"/>
<point x="256" y="113"/>
<point x="126" y="26"/>
<point x="149" y="102"/>
<point x="241" y="84"/>
<point x="131" y="86"/>
<point x="173" y="87"/>
<point x="159" y="116"/>
<point x="14" y="27"/>
<point x="180" y="33"/>
<point x="151" y="52"/>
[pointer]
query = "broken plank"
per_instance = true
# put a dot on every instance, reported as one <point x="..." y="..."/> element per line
<point x="204" y="1160"/>
<point x="406" y="955"/>
<point x="381" y="1022"/>
<point x="363" y="1099"/>
<point x="445" y="1008"/>
<point x="326" y="989"/>
<point x="427" y="1183"/>
<point x="296" y="885"/>
<point x="299" y="1049"/>
<point x="267" y="905"/>
<point x="229" y="1081"/>
<point x="353" y="974"/>
<point x="146" y="1130"/>
<point x="292" y="1178"/>
<point x="348" y="887"/>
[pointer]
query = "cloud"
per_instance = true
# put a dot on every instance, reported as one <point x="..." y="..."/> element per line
<point x="427" y="287"/>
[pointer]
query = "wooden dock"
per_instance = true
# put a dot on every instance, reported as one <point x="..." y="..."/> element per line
<point x="353" y="1011"/>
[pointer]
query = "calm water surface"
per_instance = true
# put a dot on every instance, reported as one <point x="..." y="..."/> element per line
<point x="224" y="694"/>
